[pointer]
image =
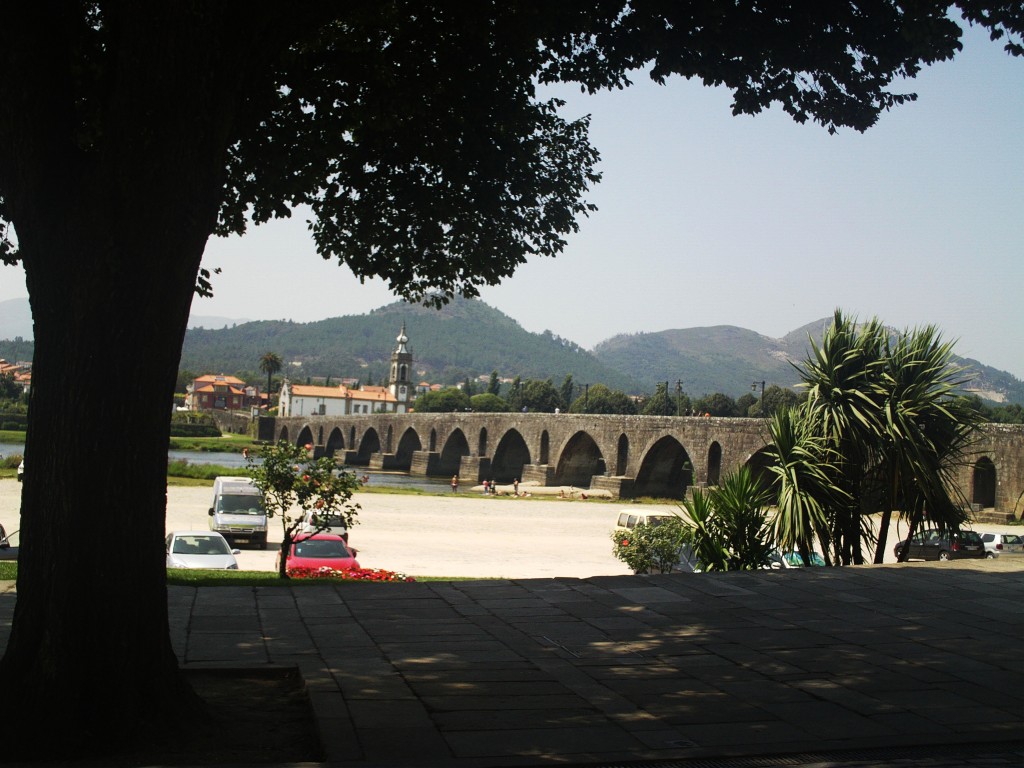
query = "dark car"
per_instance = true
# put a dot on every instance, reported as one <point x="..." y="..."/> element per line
<point x="938" y="545"/>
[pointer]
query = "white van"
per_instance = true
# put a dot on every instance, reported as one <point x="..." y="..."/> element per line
<point x="237" y="512"/>
<point x="633" y="516"/>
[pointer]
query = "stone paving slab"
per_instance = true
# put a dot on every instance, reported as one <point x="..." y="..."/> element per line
<point x="619" y="670"/>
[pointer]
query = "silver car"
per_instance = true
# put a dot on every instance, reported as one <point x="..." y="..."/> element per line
<point x="1002" y="543"/>
<point x="200" y="549"/>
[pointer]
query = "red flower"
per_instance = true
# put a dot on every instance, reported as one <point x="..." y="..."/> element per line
<point x="625" y="542"/>
<point x="319" y="504"/>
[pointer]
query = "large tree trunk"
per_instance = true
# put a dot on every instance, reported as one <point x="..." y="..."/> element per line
<point x="90" y="642"/>
<point x="111" y="227"/>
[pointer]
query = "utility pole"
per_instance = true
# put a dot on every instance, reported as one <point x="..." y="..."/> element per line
<point x="753" y="388"/>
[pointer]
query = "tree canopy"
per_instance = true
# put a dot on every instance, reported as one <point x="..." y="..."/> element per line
<point x="130" y="132"/>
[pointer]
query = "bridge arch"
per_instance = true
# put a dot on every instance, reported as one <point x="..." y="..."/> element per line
<point x="407" y="445"/>
<point x="666" y="470"/>
<point x="335" y="442"/>
<point x="714" y="463"/>
<point x="983" y="482"/>
<point x="305" y="436"/>
<point x="510" y="456"/>
<point x="282" y="436"/>
<point x="545" y="448"/>
<point x="433" y="440"/>
<point x="482" y="442"/>
<point x="758" y="463"/>
<point x="579" y="460"/>
<point x="455" y="447"/>
<point x="622" y="455"/>
<point x="320" y="435"/>
<point x="369" y="444"/>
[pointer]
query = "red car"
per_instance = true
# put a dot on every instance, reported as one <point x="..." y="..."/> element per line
<point x="323" y="550"/>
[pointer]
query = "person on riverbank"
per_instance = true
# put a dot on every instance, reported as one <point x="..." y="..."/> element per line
<point x="455" y="483"/>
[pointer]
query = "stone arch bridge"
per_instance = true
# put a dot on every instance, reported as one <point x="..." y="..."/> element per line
<point x="629" y="456"/>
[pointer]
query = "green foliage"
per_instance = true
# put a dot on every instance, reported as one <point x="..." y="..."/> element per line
<point x="11" y="461"/>
<point x="293" y="484"/>
<point x="443" y="401"/>
<point x="539" y="397"/>
<point x="182" y="468"/>
<point x="488" y="403"/>
<point x="193" y="424"/>
<point x="727" y="526"/>
<point x="466" y="337"/>
<point x="494" y="384"/>
<point x="883" y="428"/>
<point x="718" y="404"/>
<point x="599" y="399"/>
<point x="650" y="548"/>
<point x="9" y="388"/>
<point x="660" y="403"/>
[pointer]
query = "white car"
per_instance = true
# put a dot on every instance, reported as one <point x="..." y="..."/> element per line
<point x="200" y="549"/>
<point x="324" y="524"/>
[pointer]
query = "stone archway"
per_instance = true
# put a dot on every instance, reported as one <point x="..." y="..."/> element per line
<point x="283" y="436"/>
<point x="714" y="463"/>
<point x="335" y="442"/>
<point x="450" y="458"/>
<point x="622" y="455"/>
<point x="758" y="464"/>
<point x="581" y="459"/>
<point x="510" y="456"/>
<point x="665" y="472"/>
<point x="305" y="436"/>
<point x="983" y="483"/>
<point x="369" y="445"/>
<point x="407" y="445"/>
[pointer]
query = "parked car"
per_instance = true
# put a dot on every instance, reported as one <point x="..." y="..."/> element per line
<point x="792" y="559"/>
<point x="324" y="524"/>
<point x="200" y="549"/>
<point x="1002" y="543"/>
<point x="237" y="511"/>
<point x="935" y="545"/>
<point x="322" y="550"/>
<point x="630" y="518"/>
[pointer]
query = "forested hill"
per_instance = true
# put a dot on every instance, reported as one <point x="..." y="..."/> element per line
<point x="728" y="359"/>
<point x="465" y="339"/>
<point x="469" y="338"/>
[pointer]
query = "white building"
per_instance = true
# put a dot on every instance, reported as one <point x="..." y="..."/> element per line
<point x="396" y="397"/>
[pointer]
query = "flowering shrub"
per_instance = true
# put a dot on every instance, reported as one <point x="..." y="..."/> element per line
<point x="350" y="574"/>
<point x="650" y="548"/>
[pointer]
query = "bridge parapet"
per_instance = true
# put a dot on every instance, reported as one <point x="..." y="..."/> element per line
<point x="654" y="455"/>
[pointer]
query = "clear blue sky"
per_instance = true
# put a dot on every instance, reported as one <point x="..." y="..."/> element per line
<point x="708" y="219"/>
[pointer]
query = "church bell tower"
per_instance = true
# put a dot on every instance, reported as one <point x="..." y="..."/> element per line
<point x="401" y="369"/>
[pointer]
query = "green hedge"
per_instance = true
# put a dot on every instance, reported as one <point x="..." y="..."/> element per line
<point x="181" y="429"/>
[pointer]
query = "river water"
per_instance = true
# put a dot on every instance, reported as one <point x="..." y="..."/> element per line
<point x="235" y="460"/>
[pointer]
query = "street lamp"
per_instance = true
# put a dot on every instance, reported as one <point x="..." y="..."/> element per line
<point x="753" y="388"/>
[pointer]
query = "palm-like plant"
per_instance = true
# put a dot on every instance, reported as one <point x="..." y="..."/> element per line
<point x="270" y="363"/>
<point x="805" y="491"/>
<point x="843" y="411"/>
<point x="925" y="430"/>
<point x="726" y="527"/>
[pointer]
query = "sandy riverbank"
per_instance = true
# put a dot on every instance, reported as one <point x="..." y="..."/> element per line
<point x="464" y="534"/>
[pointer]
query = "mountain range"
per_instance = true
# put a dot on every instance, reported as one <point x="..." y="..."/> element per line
<point x="468" y="338"/>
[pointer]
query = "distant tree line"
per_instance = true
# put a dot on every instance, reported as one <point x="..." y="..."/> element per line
<point x="542" y="396"/>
